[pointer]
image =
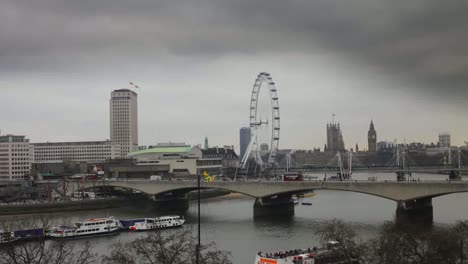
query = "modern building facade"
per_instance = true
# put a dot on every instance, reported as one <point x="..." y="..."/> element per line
<point x="444" y="140"/>
<point x="15" y="157"/>
<point x="335" y="141"/>
<point x="244" y="141"/>
<point x="180" y="158"/>
<point x="85" y="151"/>
<point x="372" y="138"/>
<point x="124" y="120"/>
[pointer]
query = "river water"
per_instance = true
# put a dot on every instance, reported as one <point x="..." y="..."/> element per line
<point x="229" y="221"/>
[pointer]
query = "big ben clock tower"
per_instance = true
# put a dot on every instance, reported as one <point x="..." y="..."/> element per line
<point x="372" y="138"/>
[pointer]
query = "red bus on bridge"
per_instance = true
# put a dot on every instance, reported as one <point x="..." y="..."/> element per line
<point x="292" y="176"/>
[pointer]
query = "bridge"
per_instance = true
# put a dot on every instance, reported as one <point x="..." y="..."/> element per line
<point x="383" y="169"/>
<point x="414" y="199"/>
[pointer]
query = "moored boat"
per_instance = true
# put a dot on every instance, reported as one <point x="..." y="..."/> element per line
<point x="90" y="227"/>
<point x="308" y="194"/>
<point x="29" y="234"/>
<point x="157" y="223"/>
<point x="295" y="199"/>
<point x="7" y="237"/>
<point x="327" y="255"/>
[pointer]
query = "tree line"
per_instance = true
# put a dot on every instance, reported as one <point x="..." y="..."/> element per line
<point x="393" y="244"/>
<point x="401" y="243"/>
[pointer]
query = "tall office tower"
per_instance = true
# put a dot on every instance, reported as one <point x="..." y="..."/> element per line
<point x="244" y="141"/>
<point x="15" y="159"/>
<point x="335" y="141"/>
<point x="444" y="140"/>
<point x="124" y="120"/>
<point x="372" y="138"/>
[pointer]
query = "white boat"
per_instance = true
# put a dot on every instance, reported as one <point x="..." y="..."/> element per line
<point x="295" y="199"/>
<point x="90" y="227"/>
<point x="158" y="223"/>
<point x="7" y="237"/>
<point x="328" y="255"/>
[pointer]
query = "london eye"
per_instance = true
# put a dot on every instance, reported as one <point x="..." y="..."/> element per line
<point x="264" y="123"/>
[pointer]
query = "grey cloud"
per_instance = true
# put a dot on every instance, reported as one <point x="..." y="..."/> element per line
<point x="421" y="40"/>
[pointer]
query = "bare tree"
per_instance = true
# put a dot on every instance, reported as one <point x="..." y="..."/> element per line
<point x="409" y="245"/>
<point x="348" y="245"/>
<point x="177" y="247"/>
<point x="46" y="252"/>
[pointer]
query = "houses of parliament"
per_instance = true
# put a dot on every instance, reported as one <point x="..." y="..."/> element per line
<point x="335" y="142"/>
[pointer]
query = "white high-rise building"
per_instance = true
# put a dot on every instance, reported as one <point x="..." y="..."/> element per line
<point x="124" y="120"/>
<point x="15" y="157"/>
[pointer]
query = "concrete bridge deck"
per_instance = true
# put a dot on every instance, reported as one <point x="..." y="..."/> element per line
<point x="396" y="191"/>
<point x="413" y="199"/>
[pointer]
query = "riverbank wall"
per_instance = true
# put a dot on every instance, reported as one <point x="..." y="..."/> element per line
<point x="94" y="204"/>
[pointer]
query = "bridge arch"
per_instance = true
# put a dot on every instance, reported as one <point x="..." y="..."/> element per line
<point x="439" y="194"/>
<point x="183" y="190"/>
<point x="292" y="192"/>
<point x="191" y="189"/>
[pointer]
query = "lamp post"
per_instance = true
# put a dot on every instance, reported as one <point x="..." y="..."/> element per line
<point x="462" y="233"/>
<point x="199" y="240"/>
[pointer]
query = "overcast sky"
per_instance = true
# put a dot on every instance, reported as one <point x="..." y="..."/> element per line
<point x="402" y="63"/>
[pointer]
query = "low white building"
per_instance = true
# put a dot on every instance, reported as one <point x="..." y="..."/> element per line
<point x="182" y="159"/>
<point x="15" y="157"/>
<point x="85" y="151"/>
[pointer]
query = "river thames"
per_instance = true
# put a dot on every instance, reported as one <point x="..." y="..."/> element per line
<point x="230" y="224"/>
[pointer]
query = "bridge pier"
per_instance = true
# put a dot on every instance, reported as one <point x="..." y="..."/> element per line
<point x="172" y="202"/>
<point x="280" y="205"/>
<point x="418" y="211"/>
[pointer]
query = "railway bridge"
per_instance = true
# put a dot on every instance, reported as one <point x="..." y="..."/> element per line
<point x="413" y="199"/>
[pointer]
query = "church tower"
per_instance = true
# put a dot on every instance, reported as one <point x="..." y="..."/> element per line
<point x="372" y="138"/>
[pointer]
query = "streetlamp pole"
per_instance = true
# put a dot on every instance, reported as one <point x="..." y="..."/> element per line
<point x="198" y="211"/>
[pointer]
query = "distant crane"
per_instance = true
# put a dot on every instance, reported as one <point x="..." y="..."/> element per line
<point x="133" y="85"/>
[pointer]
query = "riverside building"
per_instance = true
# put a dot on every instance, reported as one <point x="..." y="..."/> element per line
<point x="180" y="158"/>
<point x="84" y="151"/>
<point x="15" y="158"/>
<point x="124" y="120"/>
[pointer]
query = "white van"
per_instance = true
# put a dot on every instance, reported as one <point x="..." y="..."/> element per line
<point x="155" y="178"/>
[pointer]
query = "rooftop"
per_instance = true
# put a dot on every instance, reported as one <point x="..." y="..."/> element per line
<point x="124" y="90"/>
<point x="80" y="143"/>
<point x="183" y="149"/>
